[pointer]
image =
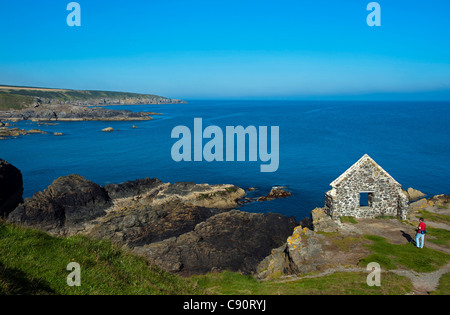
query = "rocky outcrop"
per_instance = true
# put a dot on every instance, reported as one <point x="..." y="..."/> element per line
<point x="138" y="225"/>
<point x="132" y="188"/>
<point x="302" y="253"/>
<point x="413" y="194"/>
<point x="322" y="222"/>
<point x="275" y="193"/>
<point x="203" y="195"/>
<point x="6" y="132"/>
<point x="440" y="200"/>
<point x="185" y="228"/>
<point x="232" y="240"/>
<point x="73" y="113"/>
<point x="11" y="188"/>
<point x="68" y="202"/>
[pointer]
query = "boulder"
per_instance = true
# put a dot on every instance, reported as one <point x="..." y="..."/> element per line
<point x="11" y="188"/>
<point x="108" y="129"/>
<point x="302" y="253"/>
<point x="65" y="205"/>
<point x="322" y="222"/>
<point x="413" y="194"/>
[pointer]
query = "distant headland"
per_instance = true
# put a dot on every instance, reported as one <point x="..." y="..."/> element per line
<point x="19" y="103"/>
<point x="21" y="97"/>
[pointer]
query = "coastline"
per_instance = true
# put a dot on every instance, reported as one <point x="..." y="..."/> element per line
<point x="60" y="105"/>
<point x="190" y="229"/>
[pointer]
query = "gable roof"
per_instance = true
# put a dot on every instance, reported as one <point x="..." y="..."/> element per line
<point x="362" y="160"/>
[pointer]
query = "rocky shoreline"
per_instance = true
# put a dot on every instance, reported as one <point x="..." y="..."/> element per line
<point x="51" y="105"/>
<point x="73" y="113"/>
<point x="184" y="228"/>
<point x="188" y="229"/>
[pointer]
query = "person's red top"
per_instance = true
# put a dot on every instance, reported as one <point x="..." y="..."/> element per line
<point x="422" y="227"/>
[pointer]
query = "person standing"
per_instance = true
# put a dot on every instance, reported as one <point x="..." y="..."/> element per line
<point x="420" y="236"/>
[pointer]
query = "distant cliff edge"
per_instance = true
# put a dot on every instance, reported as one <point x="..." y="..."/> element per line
<point x="15" y="98"/>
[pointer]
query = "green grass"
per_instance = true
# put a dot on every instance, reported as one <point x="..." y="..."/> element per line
<point x="430" y="216"/>
<point x="343" y="283"/>
<point x="345" y="219"/>
<point x="388" y="217"/>
<point x="442" y="236"/>
<point x="392" y="256"/>
<point x="32" y="262"/>
<point x="9" y="101"/>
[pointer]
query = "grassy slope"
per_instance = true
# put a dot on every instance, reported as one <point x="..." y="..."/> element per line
<point x="407" y="256"/>
<point x="32" y="262"/>
<point x="10" y="101"/>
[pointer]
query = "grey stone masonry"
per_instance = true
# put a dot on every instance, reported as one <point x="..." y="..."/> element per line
<point x="366" y="190"/>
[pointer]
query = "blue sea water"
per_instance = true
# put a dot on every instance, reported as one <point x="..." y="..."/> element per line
<point x="318" y="142"/>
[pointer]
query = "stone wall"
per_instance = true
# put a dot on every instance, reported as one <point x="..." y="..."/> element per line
<point x="385" y="196"/>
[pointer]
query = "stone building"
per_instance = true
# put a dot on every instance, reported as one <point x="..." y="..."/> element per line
<point x="366" y="190"/>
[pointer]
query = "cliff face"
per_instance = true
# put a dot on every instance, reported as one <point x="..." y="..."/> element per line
<point x="114" y="101"/>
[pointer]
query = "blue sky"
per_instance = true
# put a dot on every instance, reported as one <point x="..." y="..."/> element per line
<point x="189" y="49"/>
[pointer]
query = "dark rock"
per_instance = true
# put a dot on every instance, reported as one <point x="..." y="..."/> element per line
<point x="275" y="193"/>
<point x="68" y="202"/>
<point x="233" y="240"/>
<point x="185" y="228"/>
<point x="11" y="188"/>
<point x="138" y="227"/>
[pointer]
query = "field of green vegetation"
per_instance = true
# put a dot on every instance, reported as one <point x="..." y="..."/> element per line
<point x="11" y="101"/>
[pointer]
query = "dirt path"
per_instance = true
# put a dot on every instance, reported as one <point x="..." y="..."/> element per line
<point x="423" y="283"/>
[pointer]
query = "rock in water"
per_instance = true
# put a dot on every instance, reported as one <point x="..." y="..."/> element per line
<point x="68" y="202"/>
<point x="11" y="188"/>
<point x="275" y="193"/>
<point x="413" y="194"/>
<point x="109" y="129"/>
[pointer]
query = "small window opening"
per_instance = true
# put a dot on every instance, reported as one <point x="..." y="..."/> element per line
<point x="365" y="199"/>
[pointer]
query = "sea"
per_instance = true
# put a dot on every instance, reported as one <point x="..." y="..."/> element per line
<point x="318" y="141"/>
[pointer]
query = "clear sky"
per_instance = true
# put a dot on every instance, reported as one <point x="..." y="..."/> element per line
<point x="192" y="49"/>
